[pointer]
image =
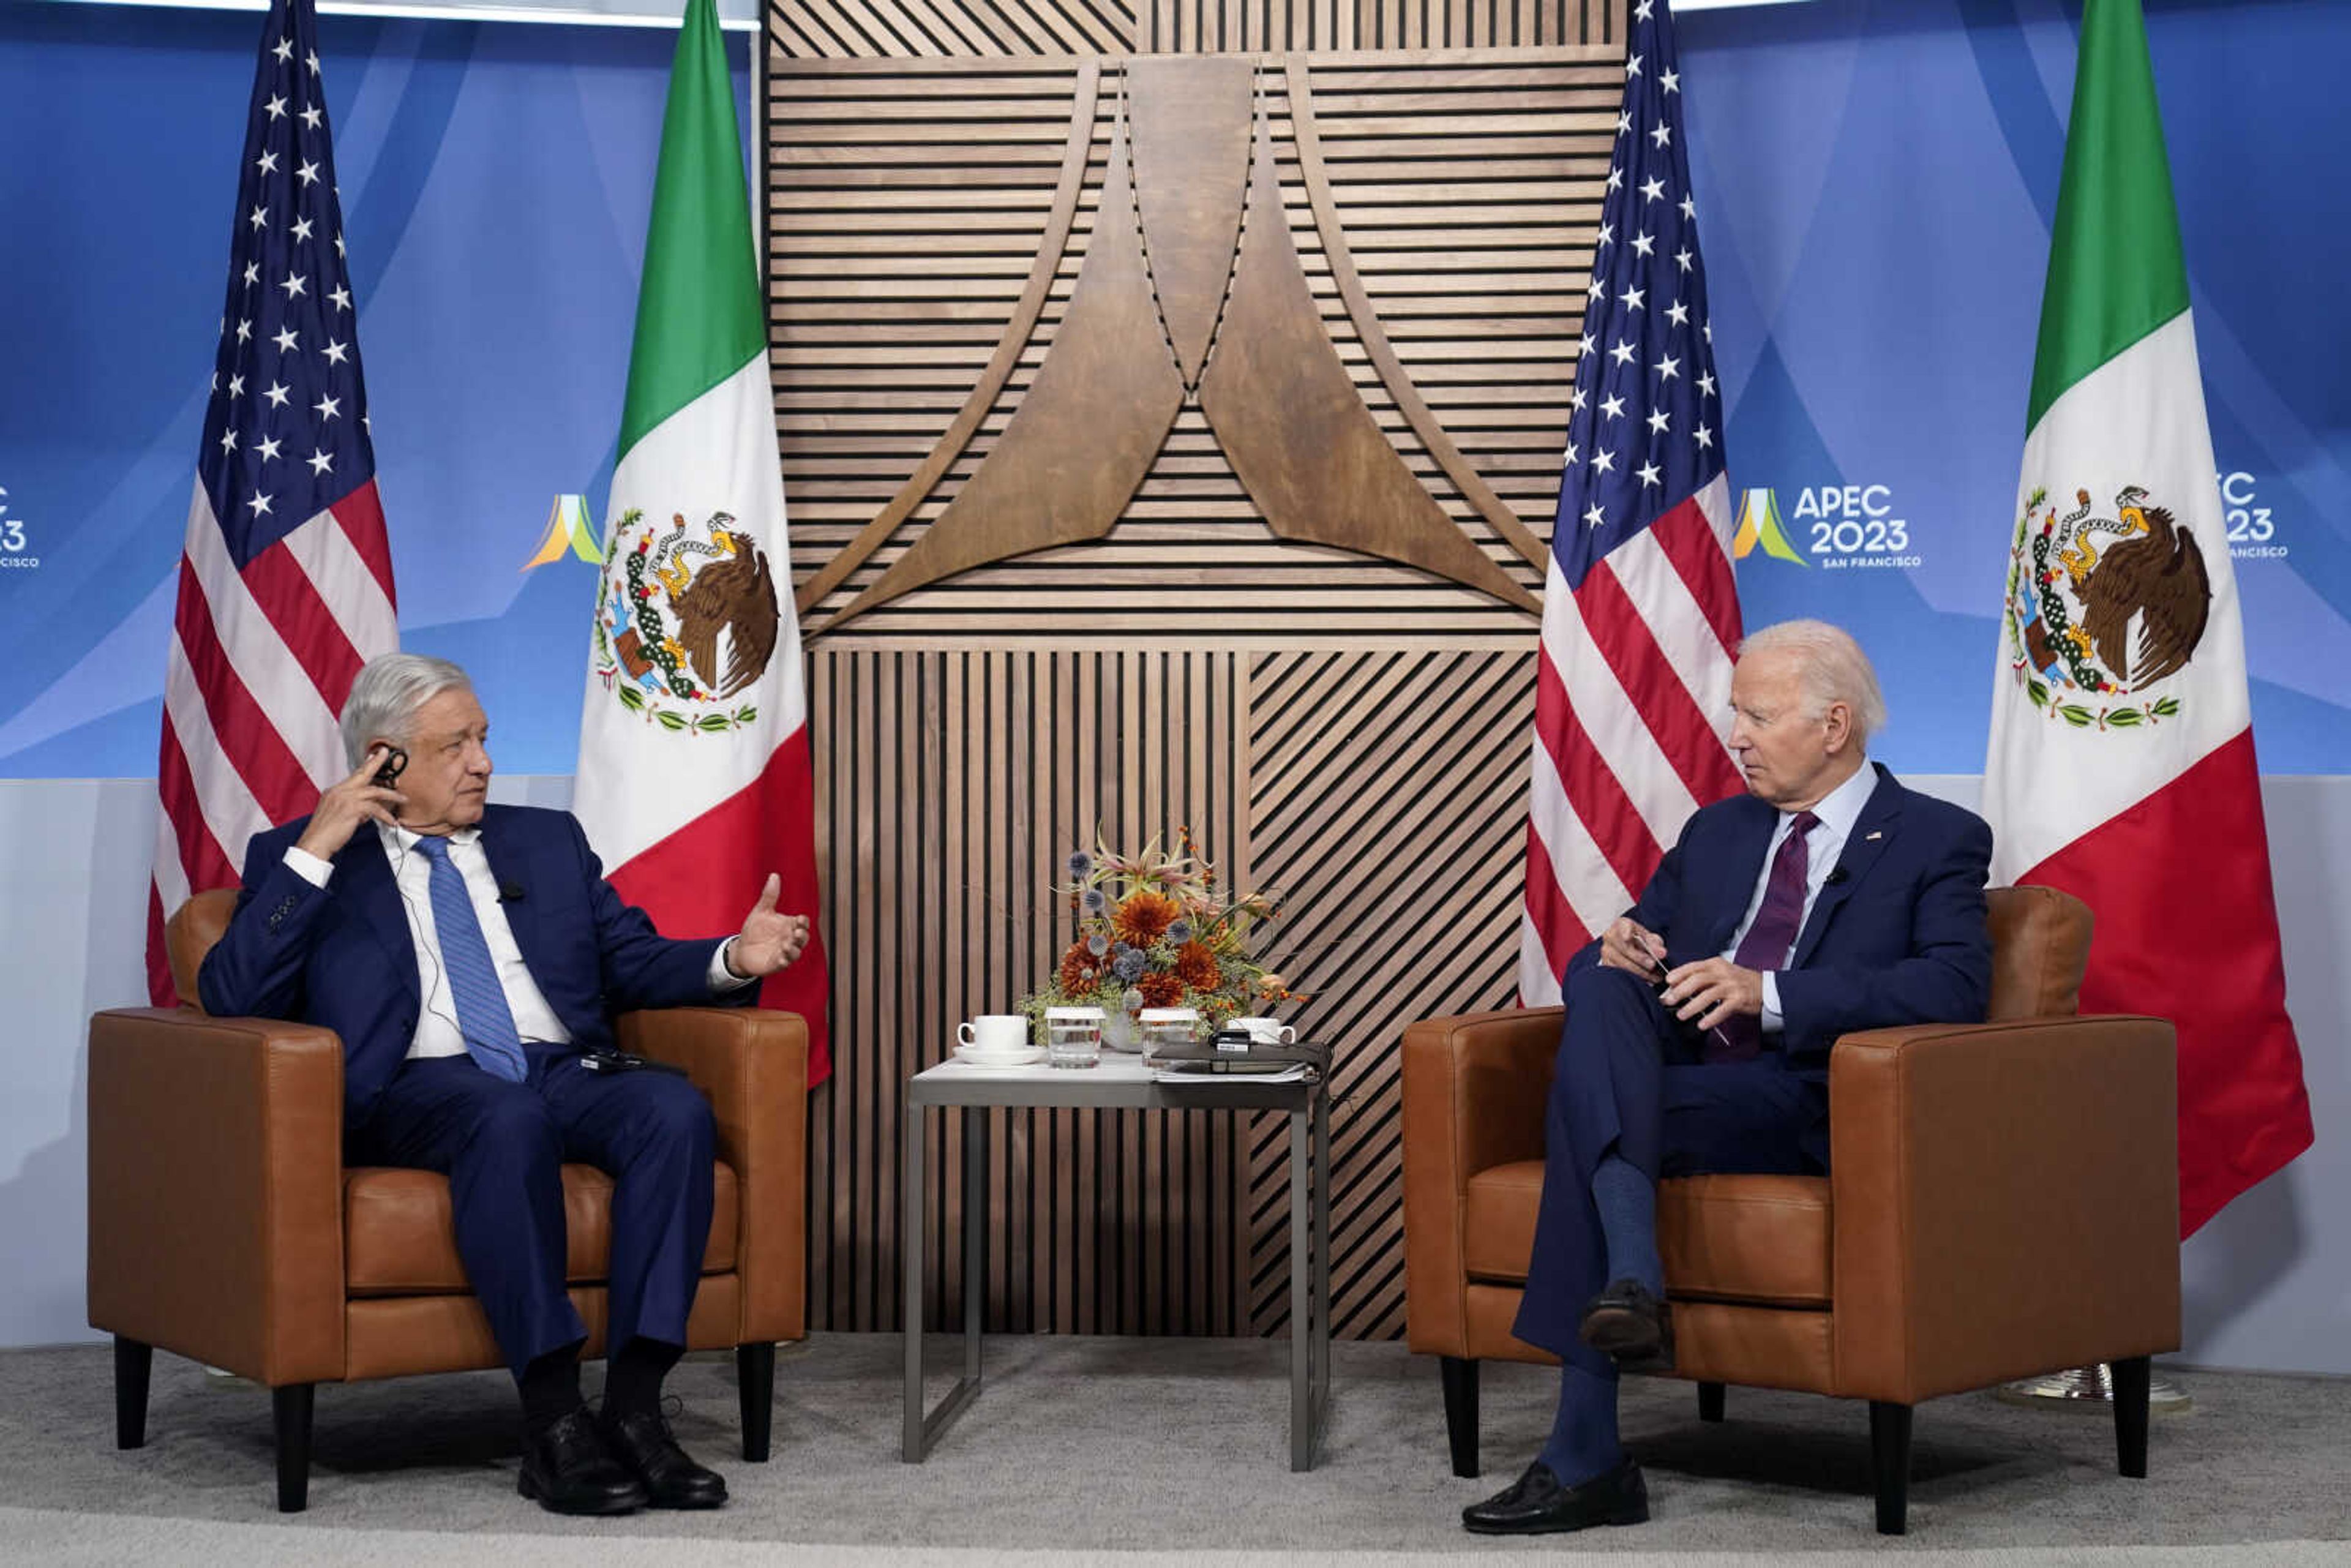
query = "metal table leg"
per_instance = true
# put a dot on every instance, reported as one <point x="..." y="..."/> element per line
<point x="1321" y="1390"/>
<point x="974" y="1236"/>
<point x="912" y="1243"/>
<point x="922" y="1430"/>
<point x="1301" y="1303"/>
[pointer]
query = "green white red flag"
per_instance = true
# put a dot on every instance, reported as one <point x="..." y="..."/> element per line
<point x="2121" y="765"/>
<point x="694" y="780"/>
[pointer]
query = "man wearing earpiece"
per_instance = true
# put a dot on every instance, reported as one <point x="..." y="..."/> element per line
<point x="472" y="958"/>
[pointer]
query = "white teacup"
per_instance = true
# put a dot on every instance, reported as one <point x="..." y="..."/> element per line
<point x="995" y="1034"/>
<point x="1265" y="1030"/>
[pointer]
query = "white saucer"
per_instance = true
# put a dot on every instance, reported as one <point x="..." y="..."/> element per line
<point x="1023" y="1057"/>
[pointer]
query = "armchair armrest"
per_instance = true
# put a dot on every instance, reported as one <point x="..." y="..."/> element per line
<point x="753" y="1065"/>
<point x="216" y="1190"/>
<point x="1473" y="1096"/>
<point x="2006" y="1202"/>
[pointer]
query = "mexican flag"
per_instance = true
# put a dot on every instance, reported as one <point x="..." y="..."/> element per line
<point x="2121" y="766"/>
<point x="694" y="780"/>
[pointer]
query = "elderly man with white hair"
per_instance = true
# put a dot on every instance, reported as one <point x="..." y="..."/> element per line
<point x="471" y="957"/>
<point x="1827" y="898"/>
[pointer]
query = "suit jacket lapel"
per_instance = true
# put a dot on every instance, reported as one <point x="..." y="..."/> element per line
<point x="1872" y="832"/>
<point x="364" y="881"/>
<point x="510" y="863"/>
<point x="1741" y="868"/>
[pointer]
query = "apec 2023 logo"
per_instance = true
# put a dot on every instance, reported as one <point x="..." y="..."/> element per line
<point x="1844" y="526"/>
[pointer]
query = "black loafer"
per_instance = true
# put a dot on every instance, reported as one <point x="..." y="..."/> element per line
<point x="1628" y="1325"/>
<point x="645" y="1443"/>
<point x="567" y="1469"/>
<point x="1536" y="1504"/>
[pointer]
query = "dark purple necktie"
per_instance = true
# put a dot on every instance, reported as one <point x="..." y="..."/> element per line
<point x="1766" y="944"/>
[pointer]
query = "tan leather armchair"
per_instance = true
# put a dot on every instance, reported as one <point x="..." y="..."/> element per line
<point x="224" y="1225"/>
<point x="2003" y="1202"/>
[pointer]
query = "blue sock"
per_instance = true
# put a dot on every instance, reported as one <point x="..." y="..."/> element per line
<point x="1628" y="1201"/>
<point x="1583" y="1434"/>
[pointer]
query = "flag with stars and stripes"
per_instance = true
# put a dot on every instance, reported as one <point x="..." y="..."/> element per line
<point x="1640" y="611"/>
<point x="286" y="580"/>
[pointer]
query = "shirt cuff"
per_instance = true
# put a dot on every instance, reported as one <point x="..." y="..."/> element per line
<point x="721" y="977"/>
<point x="1770" y="1022"/>
<point x="308" y="866"/>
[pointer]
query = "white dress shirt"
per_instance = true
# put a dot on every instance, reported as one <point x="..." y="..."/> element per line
<point x="437" y="1032"/>
<point x="1837" y="812"/>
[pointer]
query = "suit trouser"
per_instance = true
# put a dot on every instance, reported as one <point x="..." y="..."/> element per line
<point x="1628" y="1082"/>
<point x="503" y="1144"/>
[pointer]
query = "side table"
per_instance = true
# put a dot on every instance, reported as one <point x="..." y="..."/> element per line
<point x="1120" y="1082"/>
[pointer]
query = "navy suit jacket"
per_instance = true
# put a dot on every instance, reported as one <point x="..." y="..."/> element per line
<point x="1897" y="936"/>
<point x="341" y="956"/>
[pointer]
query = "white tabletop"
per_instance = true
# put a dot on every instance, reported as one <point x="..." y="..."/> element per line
<point x="1116" y="1066"/>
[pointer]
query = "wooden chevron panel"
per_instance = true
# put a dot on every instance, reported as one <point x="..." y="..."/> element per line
<point x="911" y="203"/>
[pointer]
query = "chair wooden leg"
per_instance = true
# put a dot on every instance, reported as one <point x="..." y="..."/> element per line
<point x="1461" y="1377"/>
<point x="2131" y="1382"/>
<point x="755" y="1385"/>
<point x="1889" y="1458"/>
<point x="133" y="1363"/>
<point x="1709" y="1401"/>
<point x="290" y="1412"/>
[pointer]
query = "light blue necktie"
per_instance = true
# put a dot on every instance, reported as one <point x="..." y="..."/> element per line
<point x="481" y="1011"/>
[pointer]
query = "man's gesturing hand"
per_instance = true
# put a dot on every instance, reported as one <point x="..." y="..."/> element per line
<point x="768" y="940"/>
<point x="1712" y="990"/>
<point x="1626" y="946"/>
<point x="347" y="803"/>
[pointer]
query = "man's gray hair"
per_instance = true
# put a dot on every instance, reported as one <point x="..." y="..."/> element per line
<point x="389" y="691"/>
<point x="1832" y="669"/>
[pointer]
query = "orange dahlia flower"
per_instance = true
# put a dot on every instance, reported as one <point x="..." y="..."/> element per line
<point x="1197" y="967"/>
<point x="1143" y="917"/>
<point x="1078" y="972"/>
<point x="1161" y="990"/>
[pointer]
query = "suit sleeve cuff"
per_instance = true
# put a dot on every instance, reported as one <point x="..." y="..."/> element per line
<point x="308" y="866"/>
<point x="722" y="978"/>
<point x="1771" y="1022"/>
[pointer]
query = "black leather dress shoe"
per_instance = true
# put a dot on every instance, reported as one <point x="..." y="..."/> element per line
<point x="643" y="1442"/>
<point x="1628" y="1325"/>
<point x="1536" y="1504"/>
<point x="567" y="1469"/>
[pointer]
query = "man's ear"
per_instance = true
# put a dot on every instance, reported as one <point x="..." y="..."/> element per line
<point x="1839" y="722"/>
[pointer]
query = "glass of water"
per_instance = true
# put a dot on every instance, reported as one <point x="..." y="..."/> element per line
<point x="1074" y="1036"/>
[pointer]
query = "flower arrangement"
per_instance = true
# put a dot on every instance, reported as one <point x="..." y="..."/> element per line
<point x="1153" y="931"/>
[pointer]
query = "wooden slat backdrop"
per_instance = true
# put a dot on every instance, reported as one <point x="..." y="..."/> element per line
<point x="1350" y="732"/>
<point x="933" y="29"/>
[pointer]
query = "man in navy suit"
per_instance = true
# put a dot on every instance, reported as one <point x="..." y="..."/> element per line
<point x="471" y="957"/>
<point x="1827" y="898"/>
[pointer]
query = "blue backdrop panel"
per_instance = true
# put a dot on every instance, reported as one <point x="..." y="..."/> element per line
<point x="1876" y="180"/>
<point x="1876" y="184"/>
<point x="496" y="180"/>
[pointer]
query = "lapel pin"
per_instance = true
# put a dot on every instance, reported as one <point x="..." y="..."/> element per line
<point x="1872" y="838"/>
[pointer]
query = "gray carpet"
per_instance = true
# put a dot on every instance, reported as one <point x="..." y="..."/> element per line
<point x="1151" y="1447"/>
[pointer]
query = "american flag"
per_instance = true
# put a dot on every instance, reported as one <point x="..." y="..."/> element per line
<point x="286" y="581"/>
<point x="1640" y="611"/>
